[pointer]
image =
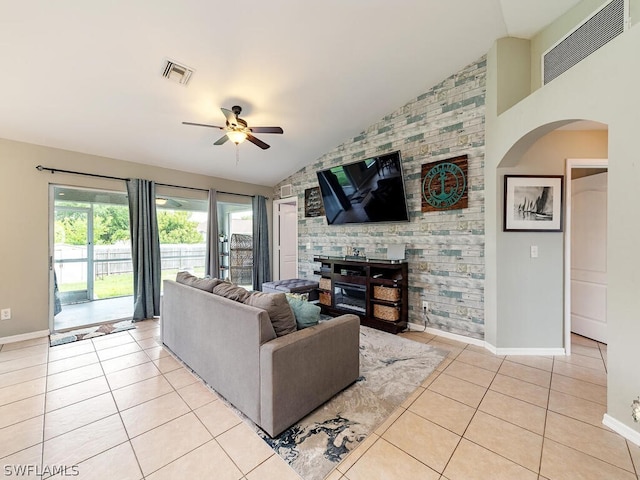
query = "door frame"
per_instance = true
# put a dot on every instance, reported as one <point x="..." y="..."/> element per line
<point x="276" y="232"/>
<point x="572" y="163"/>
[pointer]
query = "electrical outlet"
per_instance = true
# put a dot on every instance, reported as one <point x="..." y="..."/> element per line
<point x="425" y="306"/>
<point x="5" y="314"/>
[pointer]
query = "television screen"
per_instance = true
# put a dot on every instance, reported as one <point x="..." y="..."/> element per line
<point x="370" y="190"/>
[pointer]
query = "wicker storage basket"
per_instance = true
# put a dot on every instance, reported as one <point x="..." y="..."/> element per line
<point x="325" y="298"/>
<point x="390" y="314"/>
<point x="386" y="293"/>
<point x="325" y="283"/>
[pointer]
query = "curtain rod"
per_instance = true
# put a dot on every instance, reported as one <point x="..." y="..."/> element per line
<point x="55" y="170"/>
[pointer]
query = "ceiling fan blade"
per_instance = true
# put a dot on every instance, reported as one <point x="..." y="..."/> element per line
<point x="222" y="139"/>
<point x="231" y="117"/>
<point x="266" y="129"/>
<point x="203" y="125"/>
<point x="257" y="142"/>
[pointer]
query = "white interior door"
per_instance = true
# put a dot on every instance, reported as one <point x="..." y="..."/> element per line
<point x="589" y="256"/>
<point x="287" y="247"/>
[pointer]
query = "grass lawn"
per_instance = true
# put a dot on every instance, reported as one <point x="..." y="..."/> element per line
<point x="118" y="285"/>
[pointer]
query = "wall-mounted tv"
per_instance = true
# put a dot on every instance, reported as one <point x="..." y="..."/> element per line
<point x="370" y="190"/>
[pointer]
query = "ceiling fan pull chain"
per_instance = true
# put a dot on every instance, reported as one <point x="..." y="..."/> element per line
<point x="237" y="154"/>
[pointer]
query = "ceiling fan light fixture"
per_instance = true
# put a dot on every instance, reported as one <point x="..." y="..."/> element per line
<point x="237" y="137"/>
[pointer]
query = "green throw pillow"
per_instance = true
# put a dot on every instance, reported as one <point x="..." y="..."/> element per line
<point x="307" y="314"/>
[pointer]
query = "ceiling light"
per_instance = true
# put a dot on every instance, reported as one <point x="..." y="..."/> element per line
<point x="236" y="136"/>
<point x="161" y="201"/>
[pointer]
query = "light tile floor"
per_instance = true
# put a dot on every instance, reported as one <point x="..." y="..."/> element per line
<point x="122" y="407"/>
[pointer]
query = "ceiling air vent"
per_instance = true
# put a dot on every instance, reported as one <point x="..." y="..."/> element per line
<point x="176" y="72"/>
<point x="599" y="29"/>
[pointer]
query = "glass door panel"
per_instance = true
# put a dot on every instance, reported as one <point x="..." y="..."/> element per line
<point x="91" y="257"/>
<point x="71" y="254"/>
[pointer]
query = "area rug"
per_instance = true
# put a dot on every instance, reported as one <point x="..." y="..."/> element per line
<point x="391" y="368"/>
<point x="89" y="332"/>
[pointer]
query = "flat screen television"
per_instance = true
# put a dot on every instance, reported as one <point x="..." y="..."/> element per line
<point x="370" y="190"/>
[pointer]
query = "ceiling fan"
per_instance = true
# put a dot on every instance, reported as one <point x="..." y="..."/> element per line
<point x="237" y="129"/>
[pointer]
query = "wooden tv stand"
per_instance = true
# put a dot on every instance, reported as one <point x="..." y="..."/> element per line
<point x="376" y="291"/>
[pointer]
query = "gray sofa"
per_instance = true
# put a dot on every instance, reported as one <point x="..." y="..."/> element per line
<point x="275" y="381"/>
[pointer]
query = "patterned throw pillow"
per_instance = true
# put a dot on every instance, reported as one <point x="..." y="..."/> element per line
<point x="300" y="296"/>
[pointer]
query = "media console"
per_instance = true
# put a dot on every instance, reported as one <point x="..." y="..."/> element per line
<point x="375" y="290"/>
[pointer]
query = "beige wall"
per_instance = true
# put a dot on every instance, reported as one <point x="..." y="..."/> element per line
<point x="560" y="27"/>
<point x="24" y="218"/>
<point x="603" y="88"/>
<point x="530" y="322"/>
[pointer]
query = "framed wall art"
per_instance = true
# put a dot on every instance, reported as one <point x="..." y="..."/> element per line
<point x="313" y="206"/>
<point x="533" y="203"/>
<point x="444" y="184"/>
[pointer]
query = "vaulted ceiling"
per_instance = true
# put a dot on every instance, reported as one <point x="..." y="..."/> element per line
<point x="86" y="75"/>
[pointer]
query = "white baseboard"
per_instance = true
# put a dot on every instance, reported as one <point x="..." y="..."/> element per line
<point x="441" y="333"/>
<point x="24" y="336"/>
<point x="620" y="428"/>
<point x="481" y="343"/>
<point x="526" y="351"/>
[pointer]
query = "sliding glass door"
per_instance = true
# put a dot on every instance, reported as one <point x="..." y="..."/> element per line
<point x="90" y="257"/>
<point x="182" y="227"/>
<point x="236" y="243"/>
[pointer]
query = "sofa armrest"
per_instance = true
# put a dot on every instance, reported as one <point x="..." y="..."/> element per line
<point x="304" y="369"/>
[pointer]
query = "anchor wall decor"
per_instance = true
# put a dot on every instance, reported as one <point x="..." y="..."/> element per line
<point x="444" y="184"/>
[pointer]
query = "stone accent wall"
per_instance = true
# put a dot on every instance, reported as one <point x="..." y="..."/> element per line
<point x="445" y="250"/>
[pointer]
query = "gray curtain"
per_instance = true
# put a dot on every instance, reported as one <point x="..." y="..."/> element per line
<point x="261" y="266"/>
<point x="145" y="248"/>
<point x="212" y="262"/>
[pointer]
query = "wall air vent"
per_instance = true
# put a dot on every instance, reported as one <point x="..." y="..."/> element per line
<point x="599" y="29"/>
<point x="176" y="72"/>
<point x="286" y="190"/>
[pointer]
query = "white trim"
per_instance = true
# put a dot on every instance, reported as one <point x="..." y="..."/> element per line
<point x="24" y="336"/>
<point x="621" y="429"/>
<point x="535" y="351"/>
<point x="50" y="259"/>
<point x="570" y="164"/>
<point x="452" y="336"/>
<point x="276" y="233"/>
<point x="481" y="343"/>
<point x="530" y="351"/>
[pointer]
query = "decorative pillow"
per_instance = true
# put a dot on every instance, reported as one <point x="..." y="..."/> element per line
<point x="307" y="314"/>
<point x="300" y="296"/>
<point x="276" y="305"/>
<point x="231" y="291"/>
<point x="206" y="284"/>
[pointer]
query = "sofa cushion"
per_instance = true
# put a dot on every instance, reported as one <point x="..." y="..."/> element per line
<point x="307" y="314"/>
<point x="277" y="306"/>
<point x="231" y="291"/>
<point x="206" y="284"/>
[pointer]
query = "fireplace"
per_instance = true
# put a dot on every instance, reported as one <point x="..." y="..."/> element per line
<point x="350" y="296"/>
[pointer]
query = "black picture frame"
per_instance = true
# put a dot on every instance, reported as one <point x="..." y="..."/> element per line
<point x="533" y="203"/>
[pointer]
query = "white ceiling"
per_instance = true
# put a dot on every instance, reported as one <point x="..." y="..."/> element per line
<point x="86" y="75"/>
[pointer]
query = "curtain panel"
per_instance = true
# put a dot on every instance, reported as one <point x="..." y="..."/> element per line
<point x="261" y="265"/>
<point x="212" y="261"/>
<point x="145" y="248"/>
